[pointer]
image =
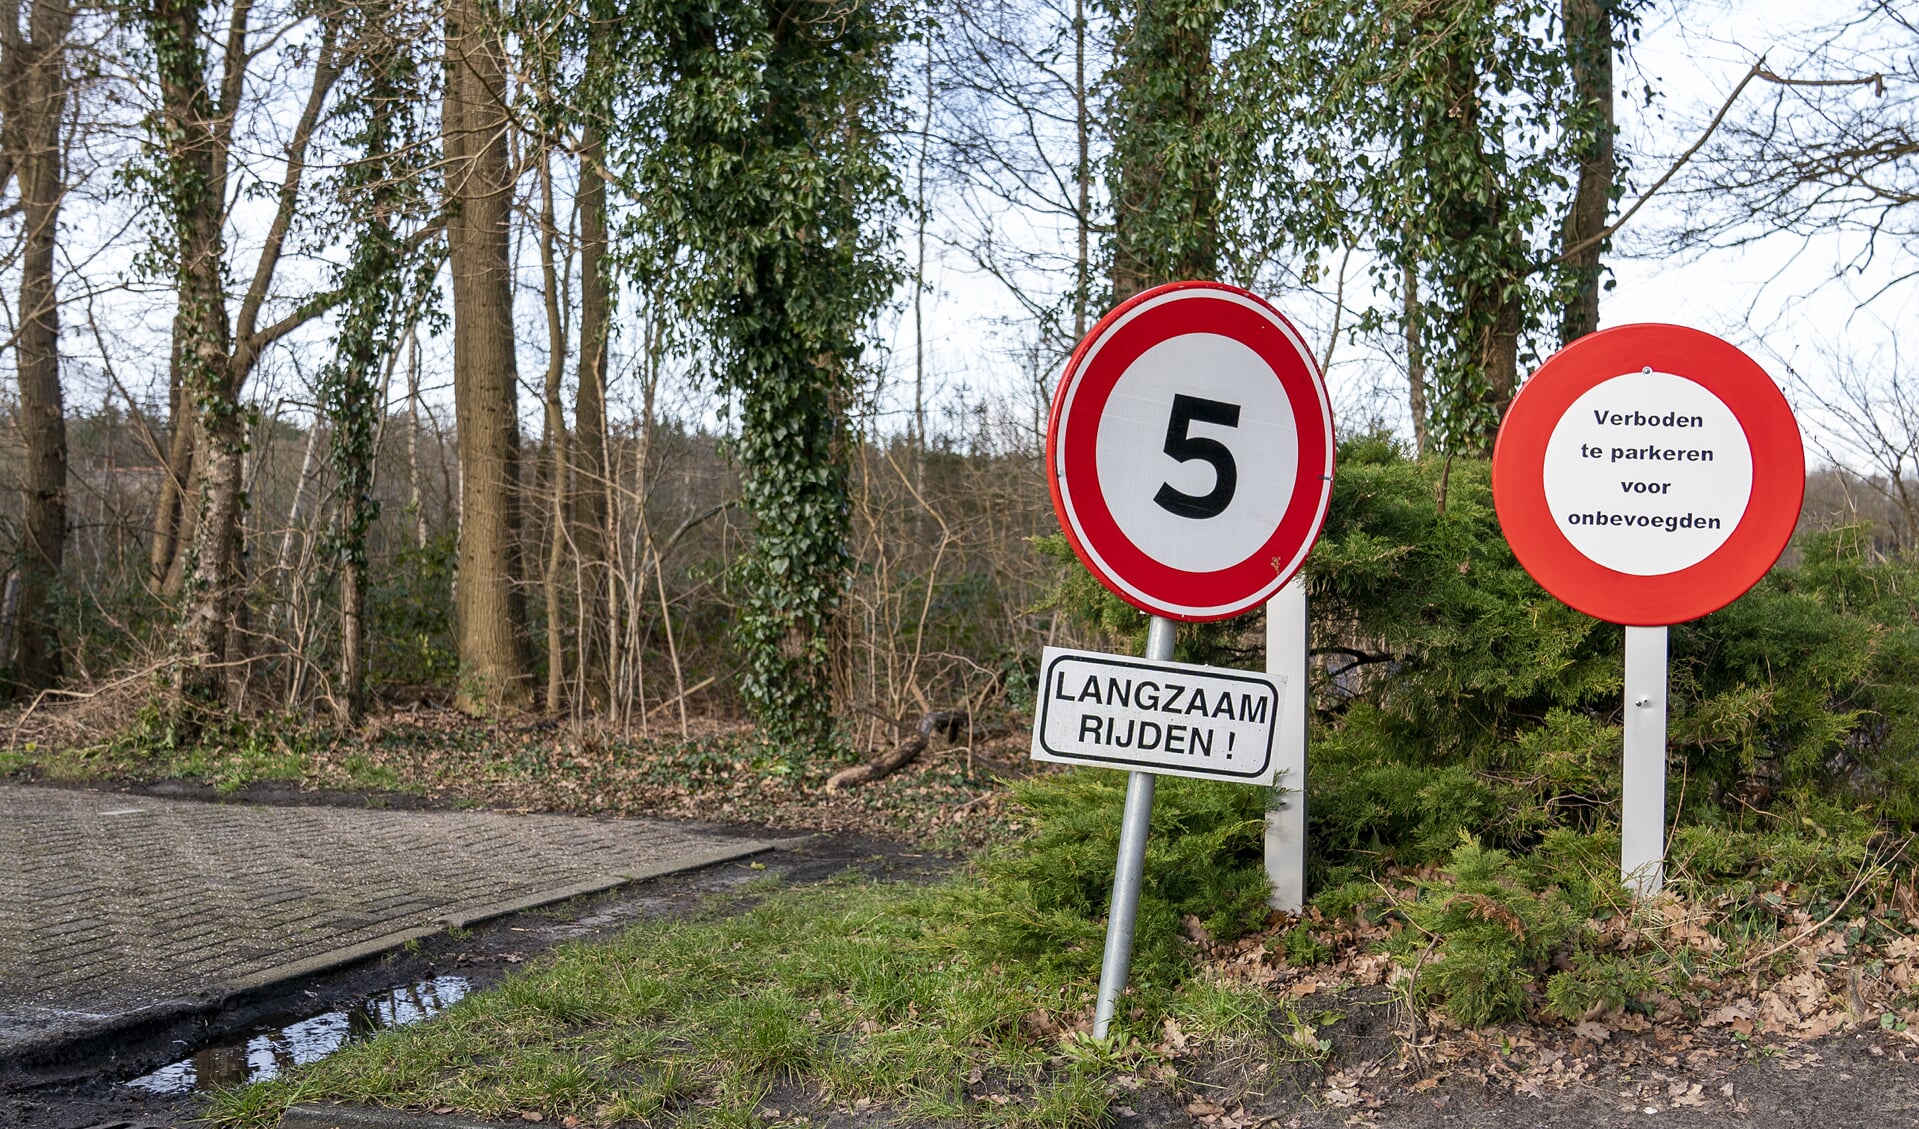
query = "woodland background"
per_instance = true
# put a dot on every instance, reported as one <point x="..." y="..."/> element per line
<point x="530" y="355"/>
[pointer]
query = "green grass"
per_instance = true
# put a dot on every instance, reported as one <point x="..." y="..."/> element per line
<point x="841" y="996"/>
<point x="229" y="754"/>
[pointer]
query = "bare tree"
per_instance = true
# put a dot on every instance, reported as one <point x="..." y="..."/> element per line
<point x="1831" y="146"/>
<point x="496" y="669"/>
<point x="1016" y="128"/>
<point x="213" y="353"/>
<point x="1868" y="416"/>
<point x="33" y="97"/>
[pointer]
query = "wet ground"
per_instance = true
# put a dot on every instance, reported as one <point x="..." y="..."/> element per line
<point x="156" y="1079"/>
<point x="272" y="1049"/>
<point x="122" y="912"/>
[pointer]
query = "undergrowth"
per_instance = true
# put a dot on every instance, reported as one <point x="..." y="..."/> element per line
<point x="1042" y="901"/>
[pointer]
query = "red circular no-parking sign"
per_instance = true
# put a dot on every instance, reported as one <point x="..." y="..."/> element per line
<point x="1649" y="474"/>
<point x="1191" y="451"/>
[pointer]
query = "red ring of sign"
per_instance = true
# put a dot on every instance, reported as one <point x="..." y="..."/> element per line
<point x="1103" y="356"/>
<point x="1772" y="509"/>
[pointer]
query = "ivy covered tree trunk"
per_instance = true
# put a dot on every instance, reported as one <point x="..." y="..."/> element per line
<point x="381" y="189"/>
<point x="1589" y="47"/>
<point x="209" y="409"/>
<point x="1479" y="250"/>
<point x="1163" y="170"/>
<point x="213" y="354"/>
<point x="33" y="68"/>
<point x="763" y="163"/>
<point x="1464" y="147"/>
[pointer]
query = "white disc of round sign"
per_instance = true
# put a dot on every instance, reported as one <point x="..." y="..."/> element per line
<point x="1191" y="451"/>
<point x="1648" y="473"/>
<point x="1211" y="369"/>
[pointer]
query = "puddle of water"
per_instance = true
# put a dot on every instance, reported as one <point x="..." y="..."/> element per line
<point x="266" y="1054"/>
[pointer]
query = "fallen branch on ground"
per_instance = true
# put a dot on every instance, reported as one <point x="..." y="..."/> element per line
<point x="950" y="722"/>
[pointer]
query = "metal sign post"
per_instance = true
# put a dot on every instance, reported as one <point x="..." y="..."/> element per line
<point x="1138" y="817"/>
<point x="1648" y="475"/>
<point x="1190" y="451"/>
<point x="1642" y="814"/>
<point x="1287" y="640"/>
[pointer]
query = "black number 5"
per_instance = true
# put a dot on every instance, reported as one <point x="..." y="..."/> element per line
<point x="1188" y="410"/>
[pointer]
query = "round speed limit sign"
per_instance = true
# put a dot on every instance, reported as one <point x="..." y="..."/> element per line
<point x="1191" y="451"/>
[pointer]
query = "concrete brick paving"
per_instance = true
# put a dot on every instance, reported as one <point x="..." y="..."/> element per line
<point x="112" y="904"/>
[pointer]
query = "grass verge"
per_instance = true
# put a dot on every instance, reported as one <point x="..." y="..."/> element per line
<point x="842" y="997"/>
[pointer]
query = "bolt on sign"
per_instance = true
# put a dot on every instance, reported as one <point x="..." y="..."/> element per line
<point x="1648" y="475"/>
<point x="1190" y="453"/>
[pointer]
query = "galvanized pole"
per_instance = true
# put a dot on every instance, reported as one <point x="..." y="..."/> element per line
<point x="1132" y="861"/>
<point x="1642" y="801"/>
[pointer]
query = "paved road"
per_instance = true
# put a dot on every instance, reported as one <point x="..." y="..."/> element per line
<point x="117" y="907"/>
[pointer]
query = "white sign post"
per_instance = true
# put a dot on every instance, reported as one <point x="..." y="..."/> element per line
<point x="1648" y="475"/>
<point x="1288" y="638"/>
<point x="1191" y="459"/>
<point x="1642" y="798"/>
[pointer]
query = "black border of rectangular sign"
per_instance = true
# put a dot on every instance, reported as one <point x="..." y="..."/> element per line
<point x="1046" y="680"/>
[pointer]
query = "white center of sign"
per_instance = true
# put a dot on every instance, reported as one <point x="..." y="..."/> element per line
<point x="1648" y="473"/>
<point x="1198" y="452"/>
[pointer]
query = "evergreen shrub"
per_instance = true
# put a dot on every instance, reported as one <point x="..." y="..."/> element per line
<point x="1467" y="739"/>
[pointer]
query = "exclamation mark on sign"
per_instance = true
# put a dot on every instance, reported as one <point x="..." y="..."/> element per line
<point x="1229" y="743"/>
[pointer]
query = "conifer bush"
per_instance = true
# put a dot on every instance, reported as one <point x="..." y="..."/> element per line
<point x="1045" y="897"/>
<point x="1466" y="740"/>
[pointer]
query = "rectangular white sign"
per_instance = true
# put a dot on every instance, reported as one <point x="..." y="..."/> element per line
<point x="1172" y="718"/>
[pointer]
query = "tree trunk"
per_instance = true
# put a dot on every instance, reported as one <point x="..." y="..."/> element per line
<point x="554" y="441"/>
<point x="1499" y="359"/>
<point x="353" y="617"/>
<point x="415" y="501"/>
<point x="169" y="508"/>
<point x="1484" y="269"/>
<point x="1415" y="358"/>
<point x="196" y="196"/>
<point x="212" y="579"/>
<point x="34" y="106"/>
<point x="589" y="510"/>
<point x="1589" y="42"/>
<point x="1082" y="175"/>
<point x="1165" y="226"/>
<point x="187" y="512"/>
<point x="496" y="673"/>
